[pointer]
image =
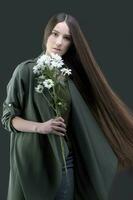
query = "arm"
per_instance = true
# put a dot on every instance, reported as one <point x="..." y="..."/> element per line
<point x="13" y="106"/>
<point x="55" y="126"/>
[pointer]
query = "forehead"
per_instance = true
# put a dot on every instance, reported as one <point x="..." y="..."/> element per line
<point x="62" y="27"/>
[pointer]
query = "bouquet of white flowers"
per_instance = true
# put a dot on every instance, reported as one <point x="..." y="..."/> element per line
<point x="51" y="74"/>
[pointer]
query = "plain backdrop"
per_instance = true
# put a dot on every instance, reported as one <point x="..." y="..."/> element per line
<point x="108" y="28"/>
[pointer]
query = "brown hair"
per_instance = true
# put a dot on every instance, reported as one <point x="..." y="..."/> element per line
<point x="112" y="115"/>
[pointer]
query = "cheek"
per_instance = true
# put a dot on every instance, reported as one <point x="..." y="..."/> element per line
<point x="49" y="41"/>
<point x="67" y="46"/>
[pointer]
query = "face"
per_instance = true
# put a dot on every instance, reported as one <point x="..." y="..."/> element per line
<point x="59" y="40"/>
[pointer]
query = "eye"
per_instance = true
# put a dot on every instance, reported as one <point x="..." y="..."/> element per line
<point x="54" y="34"/>
<point x="67" y="38"/>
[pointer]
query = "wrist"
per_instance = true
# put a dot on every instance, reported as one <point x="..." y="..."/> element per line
<point x="36" y="127"/>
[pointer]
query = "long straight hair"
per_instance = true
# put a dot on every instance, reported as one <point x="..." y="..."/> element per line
<point x="111" y="113"/>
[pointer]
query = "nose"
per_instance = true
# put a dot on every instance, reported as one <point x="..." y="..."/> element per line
<point x="59" y="41"/>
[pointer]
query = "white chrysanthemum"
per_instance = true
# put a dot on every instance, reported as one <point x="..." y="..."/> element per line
<point x="37" y="69"/>
<point x="56" y="61"/>
<point x="41" y="77"/>
<point x="56" y="64"/>
<point x="44" y="60"/>
<point x="48" y="83"/>
<point x="50" y="67"/>
<point x="66" y="71"/>
<point x="56" y="57"/>
<point x="39" y="88"/>
<point x="59" y="103"/>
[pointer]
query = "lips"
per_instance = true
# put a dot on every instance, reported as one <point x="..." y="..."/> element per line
<point x="56" y="49"/>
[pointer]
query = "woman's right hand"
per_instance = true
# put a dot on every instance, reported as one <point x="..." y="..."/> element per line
<point x="52" y="126"/>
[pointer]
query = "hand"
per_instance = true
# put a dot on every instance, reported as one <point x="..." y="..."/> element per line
<point x="53" y="126"/>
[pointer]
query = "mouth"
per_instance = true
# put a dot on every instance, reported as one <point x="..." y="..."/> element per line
<point x="56" y="49"/>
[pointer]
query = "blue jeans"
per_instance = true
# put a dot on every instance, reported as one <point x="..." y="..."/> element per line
<point x="66" y="190"/>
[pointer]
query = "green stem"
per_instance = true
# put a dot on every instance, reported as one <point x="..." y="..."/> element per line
<point x="57" y="114"/>
<point x="61" y="140"/>
<point x="49" y="102"/>
<point x="51" y="95"/>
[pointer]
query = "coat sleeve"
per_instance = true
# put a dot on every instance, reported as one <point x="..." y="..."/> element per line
<point x="14" y="102"/>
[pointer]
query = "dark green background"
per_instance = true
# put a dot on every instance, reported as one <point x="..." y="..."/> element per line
<point x="108" y="28"/>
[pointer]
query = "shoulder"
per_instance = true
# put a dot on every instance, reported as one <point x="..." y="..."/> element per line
<point x="24" y="68"/>
<point x="23" y="72"/>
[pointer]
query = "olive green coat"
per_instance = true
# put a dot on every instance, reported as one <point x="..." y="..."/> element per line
<point x="35" y="159"/>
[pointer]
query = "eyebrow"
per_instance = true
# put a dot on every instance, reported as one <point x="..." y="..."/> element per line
<point x="59" y="32"/>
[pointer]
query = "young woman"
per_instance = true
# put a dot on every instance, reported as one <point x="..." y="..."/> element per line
<point x="96" y="128"/>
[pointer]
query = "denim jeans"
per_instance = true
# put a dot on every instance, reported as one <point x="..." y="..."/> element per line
<point x="66" y="190"/>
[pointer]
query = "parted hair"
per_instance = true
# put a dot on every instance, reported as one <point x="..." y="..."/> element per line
<point x="112" y="114"/>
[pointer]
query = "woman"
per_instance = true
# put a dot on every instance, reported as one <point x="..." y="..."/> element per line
<point x="96" y="128"/>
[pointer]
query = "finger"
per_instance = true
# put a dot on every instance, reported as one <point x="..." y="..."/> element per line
<point x="61" y="124"/>
<point x="59" y="119"/>
<point x="60" y="129"/>
<point x="58" y="133"/>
